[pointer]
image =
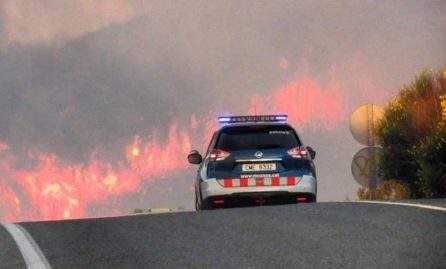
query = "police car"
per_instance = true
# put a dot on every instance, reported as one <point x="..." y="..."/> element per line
<point x="254" y="160"/>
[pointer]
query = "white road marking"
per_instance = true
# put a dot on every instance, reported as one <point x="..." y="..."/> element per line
<point x="31" y="252"/>
<point x="406" y="204"/>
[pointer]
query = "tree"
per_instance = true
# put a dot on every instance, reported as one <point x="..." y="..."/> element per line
<point x="413" y="136"/>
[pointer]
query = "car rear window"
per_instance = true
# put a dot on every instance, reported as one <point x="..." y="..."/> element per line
<point x="257" y="137"/>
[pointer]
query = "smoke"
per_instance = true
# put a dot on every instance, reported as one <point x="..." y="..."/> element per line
<point x="50" y="21"/>
<point x="83" y="78"/>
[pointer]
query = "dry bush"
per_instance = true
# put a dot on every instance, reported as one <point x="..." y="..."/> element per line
<point x="387" y="190"/>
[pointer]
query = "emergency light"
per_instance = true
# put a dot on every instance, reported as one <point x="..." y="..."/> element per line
<point x="257" y="118"/>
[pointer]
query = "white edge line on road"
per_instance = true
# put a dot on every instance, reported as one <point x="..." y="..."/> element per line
<point x="405" y="204"/>
<point x="31" y="252"/>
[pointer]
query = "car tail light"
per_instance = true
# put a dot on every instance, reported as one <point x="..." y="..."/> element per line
<point x="219" y="201"/>
<point x="218" y="155"/>
<point x="302" y="199"/>
<point x="298" y="152"/>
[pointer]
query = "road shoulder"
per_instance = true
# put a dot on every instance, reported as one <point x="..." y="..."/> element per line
<point x="10" y="256"/>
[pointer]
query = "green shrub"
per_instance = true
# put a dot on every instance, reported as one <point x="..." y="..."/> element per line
<point x="413" y="136"/>
<point x="432" y="160"/>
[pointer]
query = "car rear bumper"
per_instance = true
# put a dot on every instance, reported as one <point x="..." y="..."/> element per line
<point x="306" y="186"/>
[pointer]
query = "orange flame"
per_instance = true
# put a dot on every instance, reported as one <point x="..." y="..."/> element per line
<point x="306" y="103"/>
<point x="56" y="189"/>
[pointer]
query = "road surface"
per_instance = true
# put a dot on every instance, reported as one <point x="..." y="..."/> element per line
<point x="321" y="235"/>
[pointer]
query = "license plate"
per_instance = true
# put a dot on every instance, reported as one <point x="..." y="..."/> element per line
<point x="259" y="167"/>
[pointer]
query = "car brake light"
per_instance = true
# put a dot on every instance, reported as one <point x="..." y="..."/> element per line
<point x="298" y="152"/>
<point x="218" y="155"/>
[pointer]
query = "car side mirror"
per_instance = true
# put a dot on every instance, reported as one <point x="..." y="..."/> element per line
<point x="194" y="157"/>
<point x="312" y="152"/>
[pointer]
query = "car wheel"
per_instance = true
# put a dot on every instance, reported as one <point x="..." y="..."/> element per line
<point x="197" y="205"/>
<point x="206" y="205"/>
<point x="198" y="202"/>
<point x="313" y="199"/>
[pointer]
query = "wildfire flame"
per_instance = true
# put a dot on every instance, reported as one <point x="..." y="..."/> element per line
<point x="306" y="103"/>
<point x="57" y="189"/>
<point x="54" y="189"/>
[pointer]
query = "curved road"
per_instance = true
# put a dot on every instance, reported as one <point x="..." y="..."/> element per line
<point x="321" y="235"/>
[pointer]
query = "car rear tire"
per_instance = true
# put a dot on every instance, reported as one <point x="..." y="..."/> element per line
<point x="201" y="205"/>
<point x="312" y="199"/>
<point x="197" y="202"/>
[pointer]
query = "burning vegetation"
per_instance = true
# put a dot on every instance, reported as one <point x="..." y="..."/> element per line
<point x="54" y="188"/>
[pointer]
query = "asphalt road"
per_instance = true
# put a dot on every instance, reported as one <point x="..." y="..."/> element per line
<point x="322" y="235"/>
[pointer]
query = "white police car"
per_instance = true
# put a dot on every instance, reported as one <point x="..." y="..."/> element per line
<point x="254" y="160"/>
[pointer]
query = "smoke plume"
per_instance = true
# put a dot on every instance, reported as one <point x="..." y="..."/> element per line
<point x="98" y="84"/>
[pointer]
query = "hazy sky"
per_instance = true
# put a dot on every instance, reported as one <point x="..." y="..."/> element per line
<point x="85" y="76"/>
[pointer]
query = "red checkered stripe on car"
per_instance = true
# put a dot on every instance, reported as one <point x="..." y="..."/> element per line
<point x="258" y="181"/>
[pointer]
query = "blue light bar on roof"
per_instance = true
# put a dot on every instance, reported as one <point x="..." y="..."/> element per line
<point x="281" y="117"/>
<point x="259" y="118"/>
<point x="224" y="119"/>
